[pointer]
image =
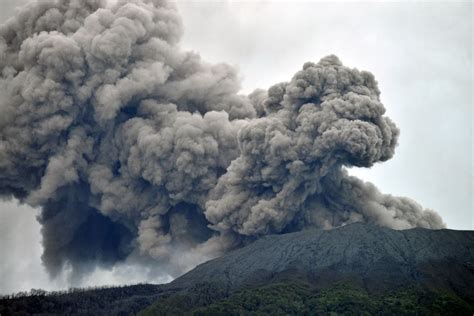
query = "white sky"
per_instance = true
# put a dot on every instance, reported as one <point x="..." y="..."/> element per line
<point x="420" y="53"/>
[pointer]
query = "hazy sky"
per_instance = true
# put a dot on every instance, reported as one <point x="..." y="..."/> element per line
<point x="420" y="53"/>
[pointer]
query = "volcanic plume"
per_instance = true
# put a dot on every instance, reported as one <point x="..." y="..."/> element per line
<point x="132" y="146"/>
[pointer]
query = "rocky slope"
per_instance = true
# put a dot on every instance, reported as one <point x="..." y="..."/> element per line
<point x="374" y="257"/>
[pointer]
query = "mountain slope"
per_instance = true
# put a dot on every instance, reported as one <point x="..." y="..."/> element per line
<point x="372" y="256"/>
<point x="356" y="269"/>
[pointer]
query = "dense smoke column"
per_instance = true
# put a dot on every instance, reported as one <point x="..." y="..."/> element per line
<point x="133" y="147"/>
<point x="289" y="174"/>
<point x="112" y="129"/>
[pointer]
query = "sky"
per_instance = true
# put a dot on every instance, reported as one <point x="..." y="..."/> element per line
<point x="419" y="52"/>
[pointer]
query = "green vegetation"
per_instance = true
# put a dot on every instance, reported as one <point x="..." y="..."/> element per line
<point x="283" y="298"/>
<point x="124" y="300"/>
<point x="302" y="299"/>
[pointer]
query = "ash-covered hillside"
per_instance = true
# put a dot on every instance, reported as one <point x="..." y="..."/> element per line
<point x="358" y="268"/>
<point x="374" y="257"/>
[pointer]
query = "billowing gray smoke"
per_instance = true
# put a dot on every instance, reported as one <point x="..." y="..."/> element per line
<point x="134" y="147"/>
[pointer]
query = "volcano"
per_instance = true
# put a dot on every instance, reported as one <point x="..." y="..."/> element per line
<point x="357" y="268"/>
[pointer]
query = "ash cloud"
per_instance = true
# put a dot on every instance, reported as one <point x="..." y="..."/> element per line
<point x="136" y="148"/>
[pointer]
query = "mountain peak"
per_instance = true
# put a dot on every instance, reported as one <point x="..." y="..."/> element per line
<point x="377" y="257"/>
